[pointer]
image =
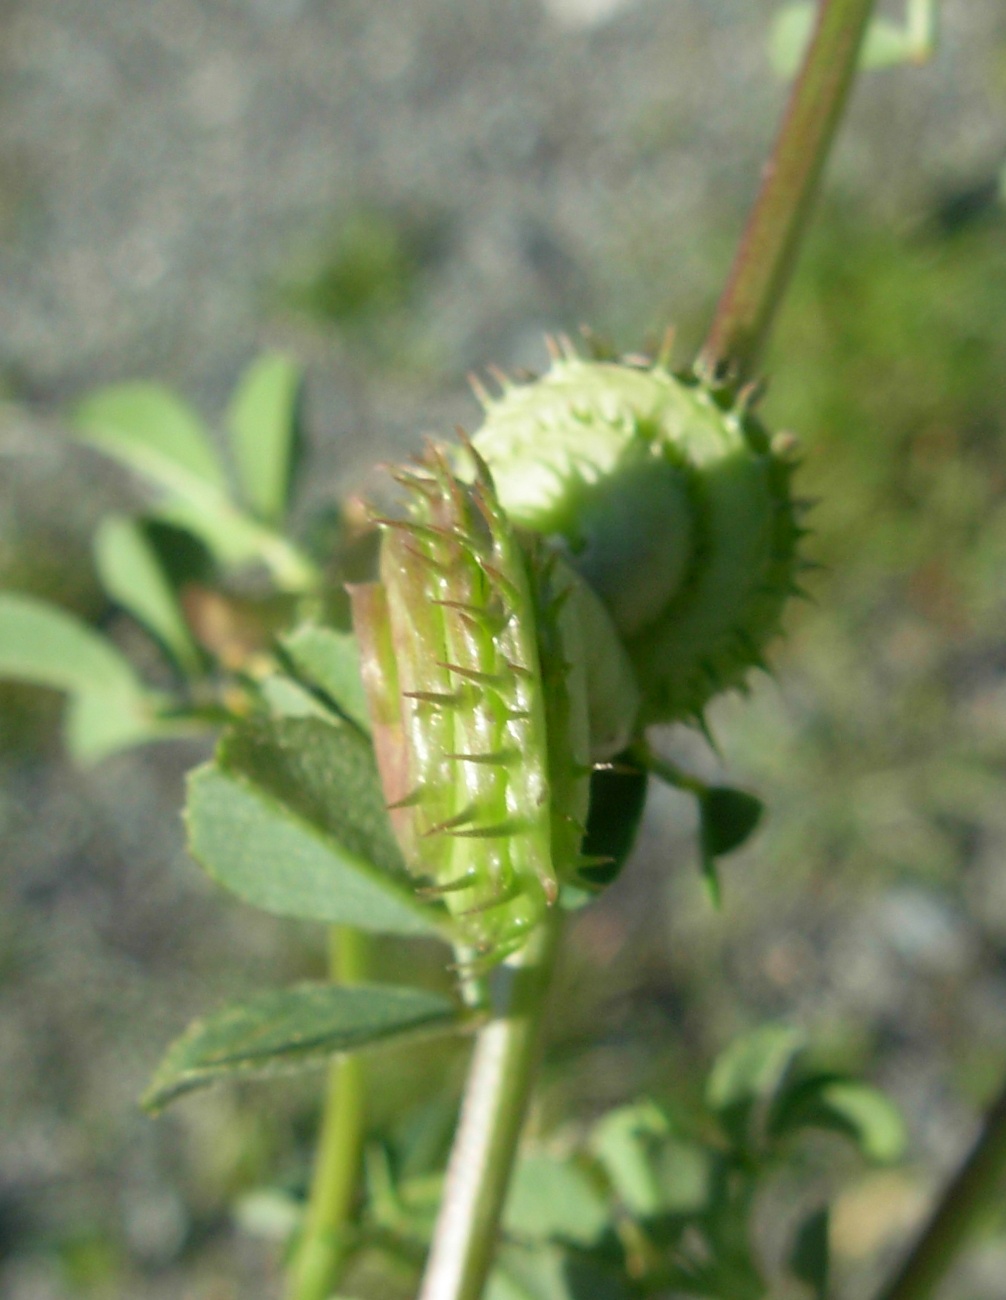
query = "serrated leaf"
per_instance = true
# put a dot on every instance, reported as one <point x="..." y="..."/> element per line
<point x="841" y="1105"/>
<point x="290" y="1029"/>
<point x="290" y="816"/>
<point x="262" y="422"/>
<point x="809" y="1259"/>
<point x="131" y="572"/>
<point x="552" y="1199"/>
<point x="109" y="707"/>
<point x="330" y="660"/>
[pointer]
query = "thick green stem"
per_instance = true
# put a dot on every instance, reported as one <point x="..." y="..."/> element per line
<point x="975" y="1190"/>
<point x="492" y="1115"/>
<point x="772" y="237"/>
<point x="321" y="1250"/>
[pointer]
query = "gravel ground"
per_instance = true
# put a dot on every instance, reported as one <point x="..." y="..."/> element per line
<point x="165" y="169"/>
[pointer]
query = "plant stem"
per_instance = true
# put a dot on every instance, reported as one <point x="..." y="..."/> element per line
<point x="972" y="1193"/>
<point x="774" y="229"/>
<point x="667" y="771"/>
<point x="492" y="1115"/>
<point x="321" y="1250"/>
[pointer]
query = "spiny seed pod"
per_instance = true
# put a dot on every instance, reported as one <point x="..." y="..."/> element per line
<point x="672" y="504"/>
<point x="472" y="656"/>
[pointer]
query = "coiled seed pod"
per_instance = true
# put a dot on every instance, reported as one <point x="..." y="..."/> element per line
<point x="669" y="501"/>
<point x="478" y="683"/>
<point x="612" y="550"/>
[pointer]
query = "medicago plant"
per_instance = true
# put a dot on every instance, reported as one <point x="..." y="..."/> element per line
<point x="612" y="548"/>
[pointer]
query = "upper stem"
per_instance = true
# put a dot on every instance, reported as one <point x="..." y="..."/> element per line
<point x="970" y="1195"/>
<point x="492" y="1115"/>
<point x="772" y="236"/>
<point x="320" y="1253"/>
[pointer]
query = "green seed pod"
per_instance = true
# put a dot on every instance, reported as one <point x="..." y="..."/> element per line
<point x="671" y="504"/>
<point x="477" y="681"/>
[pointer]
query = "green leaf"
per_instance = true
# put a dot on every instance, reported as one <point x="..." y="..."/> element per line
<point x="886" y="46"/>
<point x="182" y="556"/>
<point x="748" y="1072"/>
<point x="842" y="1105"/>
<point x="728" y="819"/>
<point x="809" y="1259"/>
<point x="286" y="698"/>
<point x="291" y="817"/>
<point x="684" y="1173"/>
<point x="270" y="1213"/>
<point x="263" y="427"/>
<point x="752" y="1066"/>
<point x="131" y="572"/>
<point x="234" y="538"/>
<point x="330" y="660"/>
<point x="556" y="1273"/>
<point x="522" y="1274"/>
<point x="290" y="1029"/>
<point x="146" y="427"/>
<point x="653" y="1171"/>
<point x="625" y="1141"/>
<point x="109" y="707"/>
<point x="617" y="800"/>
<point x="554" y="1199"/>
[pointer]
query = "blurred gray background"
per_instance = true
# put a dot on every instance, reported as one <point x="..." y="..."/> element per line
<point x="397" y="194"/>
